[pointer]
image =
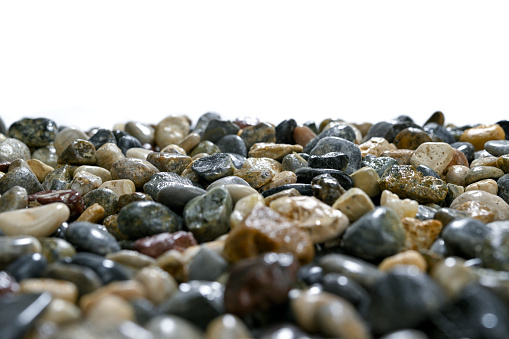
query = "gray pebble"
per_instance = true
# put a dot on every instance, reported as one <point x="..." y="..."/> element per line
<point x="15" y="198"/>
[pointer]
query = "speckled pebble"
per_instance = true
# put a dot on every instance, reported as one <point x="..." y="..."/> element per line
<point x="66" y="136"/>
<point x="78" y="152"/>
<point x="84" y="182"/>
<point x="20" y="174"/>
<point x="482" y="172"/>
<point x="169" y="162"/>
<point x="335" y="144"/>
<point x="354" y="203"/>
<point x="38" y="132"/>
<point x="14" y="199"/>
<point x="104" y="197"/>
<point x="107" y="154"/>
<point x="137" y="170"/>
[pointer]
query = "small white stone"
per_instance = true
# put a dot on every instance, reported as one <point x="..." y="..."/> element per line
<point x="244" y="206"/>
<point x="435" y="155"/>
<point x="120" y="186"/>
<point x="354" y="203"/>
<point x="404" y="208"/>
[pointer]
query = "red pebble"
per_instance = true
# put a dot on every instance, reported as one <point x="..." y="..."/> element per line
<point x="4" y="166"/>
<point x="155" y="245"/>
<point x="70" y="197"/>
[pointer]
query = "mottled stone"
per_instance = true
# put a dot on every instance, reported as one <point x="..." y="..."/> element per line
<point x="79" y="152"/>
<point x="484" y="160"/>
<point x="482" y="172"/>
<point x="104" y="197"/>
<point x="106" y="269"/>
<point x="58" y="179"/>
<point x="143" y="132"/>
<point x="216" y="129"/>
<point x="38" y="132"/>
<point x="263" y="229"/>
<point x="420" y="235"/>
<point x="340" y="131"/>
<point x="456" y="174"/>
<point x="362" y="238"/>
<point x="103" y="173"/>
<point x="161" y="180"/>
<point x="326" y="188"/>
<point x="503" y="163"/>
<point x="207" y="216"/>
<point x="379" y="164"/>
<point x="101" y="137"/>
<point x="55" y="249"/>
<point x="306" y="175"/>
<point x="435" y="155"/>
<point x="169" y="162"/>
<point x="120" y="187"/>
<point x="89" y="237"/>
<point x="171" y="130"/>
<point x="354" y="204"/>
<point x="206" y="147"/>
<point x="263" y="163"/>
<point x="47" y="155"/>
<point x="318" y="219"/>
<point x="440" y="133"/>
<point x="403" y="208"/>
<point x="206" y="265"/>
<point x="94" y="214"/>
<point x="333" y="160"/>
<point x="398" y="126"/>
<point x="15" y="198"/>
<point x="479" y="135"/>
<point x="84" y="182"/>
<point x="458" y="158"/>
<point x="71" y="198"/>
<point x="262" y="132"/>
<point x="137" y="170"/>
<point x="376" y="146"/>
<point x="213" y="167"/>
<point x="493" y="203"/>
<point x="340" y="145"/>
<point x="407" y="182"/>
<point x="282" y="178"/>
<point x="367" y="179"/>
<point x="20" y="174"/>
<point x="243" y="207"/>
<point x="411" y="138"/>
<point x="256" y="177"/>
<point x="273" y="150"/>
<point x="40" y="169"/>
<point x="259" y="284"/>
<point x="107" y="154"/>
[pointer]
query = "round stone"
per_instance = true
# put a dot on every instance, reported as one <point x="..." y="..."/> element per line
<point x="479" y="135"/>
<point x="137" y="170"/>
<point x="38" y="132"/>
<point x="14" y="199"/>
<point x="91" y="238"/>
<point x="101" y="137"/>
<point x="411" y="138"/>
<point x="104" y="197"/>
<point x="232" y="143"/>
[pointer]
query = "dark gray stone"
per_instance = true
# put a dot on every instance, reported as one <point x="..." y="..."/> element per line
<point x="495" y="249"/>
<point x="30" y="265"/>
<point x="340" y="145"/>
<point x="177" y="196"/>
<point x="306" y="174"/>
<point x="127" y="142"/>
<point x="439" y="133"/>
<point x="213" y="167"/>
<point x="310" y="274"/>
<point x="87" y="236"/>
<point x="217" y="129"/>
<point x="160" y="180"/>
<point x="378" y="129"/>
<point x="232" y="143"/>
<point x="204" y="120"/>
<point x="497" y="147"/>
<point x="425" y="212"/>
<point x="333" y="160"/>
<point x="104" y="197"/>
<point x="339" y="131"/>
<point x="503" y="187"/>
<point x="445" y="215"/>
<point x="466" y="237"/>
<point x="326" y="188"/>
<point x="379" y="164"/>
<point x="303" y="189"/>
<point x="284" y="132"/>
<point x="206" y="265"/>
<point x="230" y="180"/>
<point x="19" y="174"/>
<point x="85" y="278"/>
<point x="107" y="270"/>
<point x="346" y="288"/>
<point x="58" y="179"/>
<point x="101" y="137"/>
<point x="294" y="161"/>
<point x="364" y="273"/>
<point x="397" y="127"/>
<point x="38" y="132"/>
<point x="426" y="171"/>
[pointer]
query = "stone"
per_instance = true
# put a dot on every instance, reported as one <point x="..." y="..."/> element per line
<point x="143" y="132"/>
<point x="206" y="265"/>
<point x="479" y="135"/>
<point x="420" y="234"/>
<point x="492" y="202"/>
<point x="262" y="230"/>
<point x="38" y="221"/>
<point x="318" y="219"/>
<point x="407" y="257"/>
<point x="363" y="237"/>
<point x="263" y="163"/>
<point x="326" y="188"/>
<point x="175" y="263"/>
<point x="85" y="279"/>
<point x="104" y="197"/>
<point x="426" y="171"/>
<point x="340" y="145"/>
<point x="40" y="169"/>
<point x="437" y="117"/>
<point x="159" y="285"/>
<point x="503" y="163"/>
<point x="256" y="177"/>
<point x="354" y="203"/>
<point x="333" y="160"/>
<point x="205" y="147"/>
<point x="174" y="149"/>
<point x="466" y="148"/>
<point x="482" y="172"/>
<point x="458" y="158"/>
<point x="101" y="137"/>
<point x="213" y="167"/>
<point x="208" y="216"/>
<point x="403" y="208"/>
<point x="407" y="182"/>
<point x="306" y="175"/>
<point x="157" y="244"/>
<point x="13" y="247"/>
<point x="260" y="284"/>
<point x="465" y="237"/>
<point x="60" y="289"/>
<point x="238" y="192"/>
<point x="47" y="155"/>
<point x="402" y="156"/>
<point x="366" y="179"/>
<point x="190" y="142"/>
<point x="398" y="126"/>
<point x="110" y="311"/>
<point x="144" y="218"/>
<point x="232" y="143"/>
<point x="120" y="187"/>
<point x="21" y="175"/>
<point x="346" y="288"/>
<point x="456" y="174"/>
<point x="411" y="138"/>
<point x="216" y="129"/>
<point x="60" y="311"/>
<point x="66" y="136"/>
<point x="482" y="159"/>
<point x="477" y="210"/>
<point x="262" y="132"/>
<point x="243" y="207"/>
<point x="173" y="327"/>
<point x="89" y="237"/>
<point x="55" y="249"/>
<point x="272" y="150"/>
<point x="230" y="180"/>
<point x="27" y="266"/>
<point x="106" y="269"/>
<point x="58" y="179"/>
<point x="452" y="274"/>
<point x="15" y="198"/>
<point x="227" y="326"/>
<point x="435" y="155"/>
<point x="79" y="152"/>
<point x="376" y="146"/>
<point x="494" y="251"/>
<point x="138" y="153"/>
<point x="107" y="154"/>
<point x="137" y="170"/>
<point x="362" y="272"/>
<point x="125" y="199"/>
<point x="303" y="135"/>
<point x="71" y="198"/>
<point x="38" y="132"/>
<point x="171" y="130"/>
<point x="282" y="178"/>
<point x="94" y="214"/>
<point x="440" y="133"/>
<point x="169" y="162"/>
<point x="84" y="182"/>
<point x="131" y="258"/>
<point x="284" y="131"/>
<point x="338" y="131"/>
<point x="379" y="164"/>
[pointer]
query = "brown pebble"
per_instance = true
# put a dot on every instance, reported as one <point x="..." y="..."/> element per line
<point x="420" y="234"/>
<point x="58" y="288"/>
<point x="477" y="210"/>
<point x="302" y="135"/>
<point x="409" y="257"/>
<point x="479" y="135"/>
<point x="411" y="138"/>
<point x="39" y="168"/>
<point x="94" y="214"/>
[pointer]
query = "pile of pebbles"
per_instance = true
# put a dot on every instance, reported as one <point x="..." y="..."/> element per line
<point x="245" y="229"/>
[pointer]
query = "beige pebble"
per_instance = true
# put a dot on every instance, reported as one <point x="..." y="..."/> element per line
<point x="435" y="155"/>
<point x="174" y="263"/>
<point x="420" y="234"/>
<point x="84" y="182"/>
<point x="273" y="150"/>
<point x="227" y="326"/>
<point x="120" y="186"/>
<point x="103" y="173"/>
<point x="409" y="257"/>
<point x="110" y="311"/>
<point x="143" y="132"/>
<point x="292" y="192"/>
<point x="354" y="203"/>
<point x="159" y="285"/>
<point x="402" y="207"/>
<point x="131" y="258"/>
<point x="190" y="142"/>
<point x="376" y="146"/>
<point x="171" y="130"/>
<point x="485" y="161"/>
<point x="321" y="221"/>
<point x="488" y="185"/>
<point x="138" y="153"/>
<point x="477" y="210"/>
<point x="57" y="288"/>
<point x="283" y="178"/>
<point x="456" y="174"/>
<point x="402" y="156"/>
<point x="39" y="168"/>
<point x="125" y="289"/>
<point x="40" y="221"/>
<point x="94" y="214"/>
<point x="452" y="275"/>
<point x="493" y="202"/>
<point x="107" y="154"/>
<point x="255" y="177"/>
<point x="60" y="311"/>
<point x="238" y="192"/>
<point x="367" y="180"/>
<point x="66" y="136"/>
<point x="172" y="148"/>
<point x="243" y="207"/>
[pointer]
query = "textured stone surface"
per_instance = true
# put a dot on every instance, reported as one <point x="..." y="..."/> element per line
<point x="262" y="132"/>
<point x="84" y="182"/>
<point x="104" y="197"/>
<point x="335" y="144"/>
<point x="482" y="172"/>
<point x="78" y="152"/>
<point x="14" y="199"/>
<point x="213" y="167"/>
<point x="326" y="188"/>
<point x="161" y="180"/>
<point x="70" y="197"/>
<point x="420" y="235"/>
<point x="493" y="202"/>
<point x="354" y="203"/>
<point x="376" y="146"/>
<point x="137" y="170"/>
<point x="402" y="207"/>
<point x="340" y="131"/>
<point x="272" y="150"/>
<point x="38" y="132"/>
<point x="21" y="175"/>
<point x="411" y="138"/>
<point x="169" y="162"/>
<point x="39" y="168"/>
<point x="435" y="155"/>
<point x="107" y="154"/>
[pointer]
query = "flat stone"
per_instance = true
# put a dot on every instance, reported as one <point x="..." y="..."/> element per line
<point x="21" y="175"/>
<point x="71" y="198"/>
<point x="190" y="142"/>
<point x="57" y="288"/>
<point x="136" y="170"/>
<point x="171" y="130"/>
<point x="340" y="145"/>
<point x="169" y="162"/>
<point x="161" y="180"/>
<point x="482" y="172"/>
<point x="302" y="189"/>
<point x="78" y="152"/>
<point x="38" y="221"/>
<point x="354" y="203"/>
<point x="256" y="177"/>
<point x="15" y="198"/>
<point x="38" y="132"/>
<point x="213" y="167"/>
<point x="272" y="150"/>
<point x="493" y="202"/>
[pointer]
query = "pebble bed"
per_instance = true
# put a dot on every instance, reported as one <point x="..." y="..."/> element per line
<point x="248" y="229"/>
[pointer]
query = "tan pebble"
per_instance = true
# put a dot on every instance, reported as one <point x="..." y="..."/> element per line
<point x="302" y="135"/>
<point x="110" y="311"/>
<point x="376" y="146"/>
<point x="482" y="172"/>
<point x="255" y="177"/>
<point x="138" y="153"/>
<point x="173" y="262"/>
<point x="160" y="285"/>
<point x="292" y="192"/>
<point x="103" y="173"/>
<point x="354" y="203"/>
<point x="39" y="168"/>
<point x="137" y="170"/>
<point x="263" y="163"/>
<point x="456" y="174"/>
<point x="458" y="158"/>
<point x="188" y="173"/>
<point x="402" y="156"/>
<point x="403" y="208"/>
<point x="478" y="135"/>
<point x="66" y="136"/>
<point x="125" y="289"/>
<point x="435" y="155"/>
<point x="485" y="161"/>
<point x="452" y="275"/>
<point x="477" y="210"/>
<point x="84" y="182"/>
<point x="503" y="163"/>
<point x="238" y="192"/>
<point x="411" y="138"/>
<point x="190" y="142"/>
<point x="39" y="221"/>
<point x="243" y="207"/>
<point x="171" y="130"/>
<point x="367" y="180"/>
<point x="488" y="185"/>
<point x="143" y="132"/>
<point x="409" y="257"/>
<point x="120" y="186"/>
<point x="272" y="150"/>
<point x="172" y="148"/>
<point x="227" y="326"/>
<point x="199" y="155"/>
<point x="60" y="311"/>
<point x="107" y="154"/>
<point x="130" y="258"/>
<point x="57" y="288"/>
<point x="420" y="234"/>
<point x="94" y="214"/>
<point x="120" y="126"/>
<point x="283" y="178"/>
<point x="321" y="221"/>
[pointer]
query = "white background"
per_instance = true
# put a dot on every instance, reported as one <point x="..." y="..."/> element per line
<point x="94" y="63"/>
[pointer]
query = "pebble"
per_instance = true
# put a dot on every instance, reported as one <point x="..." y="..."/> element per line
<point x="306" y="175"/>
<point x="503" y="163"/>
<point x="403" y="208"/>
<point x="208" y="216"/>
<point x="78" y="152"/>
<point x="173" y="327"/>
<point x="466" y="148"/>
<point x="85" y="279"/>
<point x="333" y="160"/>
<point x="335" y="144"/>
<point x="479" y="135"/>
<point x="71" y="198"/>
<point x="482" y="172"/>
<point x="144" y="133"/>
<point x="58" y="179"/>
<point x="354" y="203"/>
<point x="435" y="155"/>
<point x="101" y="137"/>
<point x="465" y="237"/>
<point x="285" y="130"/>
<point x="216" y="129"/>
<point x="40" y="169"/>
<point x="273" y="150"/>
<point x="206" y="265"/>
<point x="238" y="192"/>
<point x="302" y="189"/>
<point x="120" y="187"/>
<point x="379" y="164"/>
<point x="137" y="170"/>
<point x="190" y="142"/>
<point x="171" y="130"/>
<point x="452" y="274"/>
<point x="104" y="197"/>
<point x="55" y="249"/>
<point x="60" y="289"/>
<point x="66" y="136"/>
<point x="402" y="156"/>
<point x="494" y="203"/>
<point x="346" y="288"/>
<point x="318" y="219"/>
<point x="456" y="174"/>
<point x="360" y="271"/>
<point x="494" y="251"/>
<point x="169" y="162"/>
<point x="367" y="179"/>
<point x="87" y="236"/>
<point x="362" y="238"/>
<point x="213" y="167"/>
<point x="107" y="154"/>
<point x="411" y="138"/>
<point x="326" y="188"/>
<point x="243" y="207"/>
<point x="339" y="131"/>
<point x="47" y="155"/>
<point x="15" y="198"/>
<point x="407" y="257"/>
<point x="176" y="196"/>
<point x="21" y="175"/>
<point x="232" y="143"/>
<point x="94" y="214"/>
<point x="106" y="269"/>
<point x="262" y="132"/>
<point x="420" y="234"/>
<point x="205" y="147"/>
<point x="27" y="266"/>
<point x="138" y="153"/>
<point x="84" y="182"/>
<point x="376" y="146"/>
<point x="38" y="132"/>
<point x="227" y="326"/>
<point x="144" y="218"/>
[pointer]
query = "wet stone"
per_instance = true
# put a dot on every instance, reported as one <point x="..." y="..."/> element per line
<point x="227" y="326"/>
<point x="217" y="129"/>
<point x="282" y="178"/>
<point x="58" y="179"/>
<point x="272" y="150"/>
<point x="477" y="210"/>
<point x="14" y="199"/>
<point x="8" y="285"/>
<point x="66" y="137"/>
<point x="425" y="212"/>
<point x="144" y="133"/>
<point x="354" y="203"/>
<point x="157" y="244"/>
<point x="465" y="237"/>
<point x="230" y="180"/>
<point x="38" y="132"/>
<point x="340" y="145"/>
<point x="346" y="288"/>
<point x="262" y="132"/>
<point x="333" y="160"/>
<point x="89" y="237"/>
<point x="375" y="146"/>
<point x="85" y="182"/>
<point x="94" y="214"/>
<point x="339" y="131"/>
<point x="427" y="171"/>
<point x="203" y="121"/>
<point x="138" y="153"/>
<point x="465" y="147"/>
<point x="260" y="284"/>
<point x="21" y="175"/>
<point x="303" y="134"/>
<point x="407" y="182"/>
<point x="360" y="271"/>
<point x="144" y="218"/>
<point x="104" y="197"/>
<point x="207" y="147"/>
<point x="435" y="155"/>
<point x="119" y="133"/>
<point x="379" y="164"/>
<point x="232" y="143"/>
<point x="161" y="180"/>
<point x="456" y="174"/>
<point x="206" y="265"/>
<point x="178" y="195"/>
<point x="255" y="177"/>
<point x="326" y="188"/>
<point x="411" y="138"/>
<point x="79" y="152"/>
<point x="208" y="216"/>
<point x="127" y="142"/>
<point x="495" y="249"/>
<point x="420" y="234"/>
<point x="70" y="197"/>
<point x="396" y="127"/>
<point x="437" y="118"/>
<point x="137" y="170"/>
<point x="362" y="238"/>
<point x="284" y="131"/>
<point x="293" y="161"/>
<point x="402" y="207"/>
<point x="171" y="130"/>
<point x="302" y="189"/>
<point x="306" y="175"/>
<point x="190" y="142"/>
<point x="107" y="154"/>
<point x="55" y="249"/>
<point x="493" y="202"/>
<point x="120" y="187"/>
<point x="30" y="265"/>
<point x="213" y="167"/>
<point x="366" y="179"/>
<point x="13" y="247"/>
<point x="479" y="135"/>
<point x="101" y="137"/>
<point x="169" y="162"/>
<point x="482" y="172"/>
<point x="243" y="207"/>
<point x="40" y="169"/>
<point x="402" y="156"/>
<point x="106" y="269"/>
<point x="440" y="133"/>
